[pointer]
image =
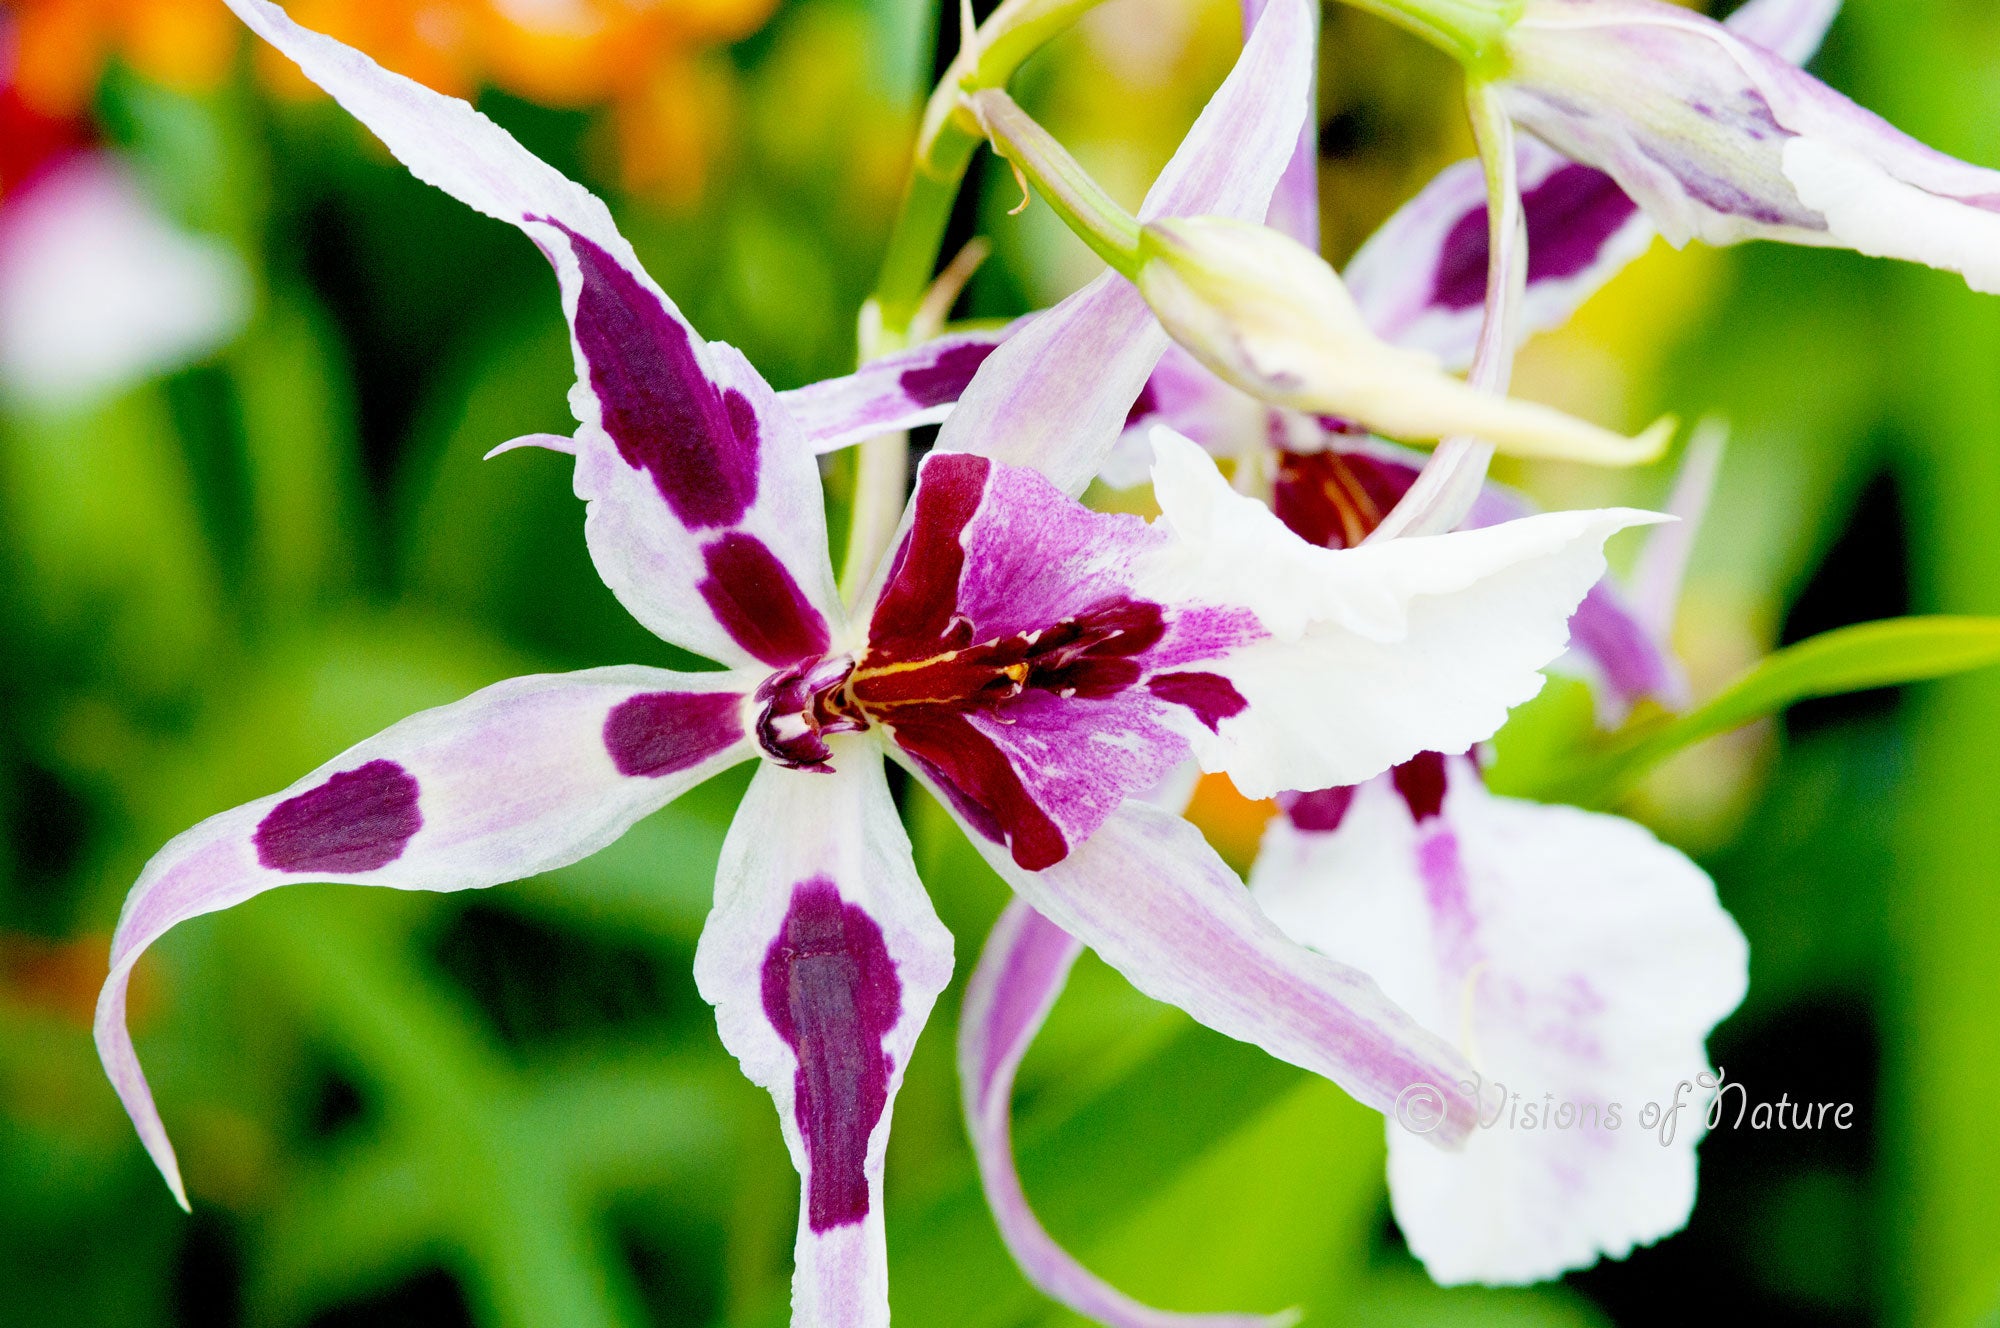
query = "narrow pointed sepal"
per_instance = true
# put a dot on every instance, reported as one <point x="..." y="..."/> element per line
<point x="822" y="959"/>
<point x="528" y="775"/>
<point x="1021" y="972"/>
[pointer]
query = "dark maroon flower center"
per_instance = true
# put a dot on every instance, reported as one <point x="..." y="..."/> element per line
<point x="1091" y="654"/>
<point x="1336" y="499"/>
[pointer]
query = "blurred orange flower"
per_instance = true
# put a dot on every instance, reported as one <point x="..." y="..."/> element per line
<point x="641" y="58"/>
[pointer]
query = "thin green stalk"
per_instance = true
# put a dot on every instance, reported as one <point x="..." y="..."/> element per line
<point x="1471" y="31"/>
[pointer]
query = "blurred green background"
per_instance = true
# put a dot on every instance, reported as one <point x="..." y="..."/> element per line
<point x="510" y="1108"/>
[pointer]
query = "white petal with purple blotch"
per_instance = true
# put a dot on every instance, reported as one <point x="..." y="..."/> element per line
<point x="705" y="516"/>
<point x="822" y="959"/>
<point x="522" y="777"/>
<point x="1575" y="960"/>
<point x="1420" y="280"/>
<point x="1723" y="140"/>
<point x="1375" y="653"/>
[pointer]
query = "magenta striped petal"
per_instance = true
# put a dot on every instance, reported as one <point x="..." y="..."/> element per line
<point x="1020" y="974"/>
<point x="823" y="958"/>
<point x="1085" y="362"/>
<point x="1010" y="656"/>
<point x="525" y="776"/>
<point x="900" y="391"/>
<point x="1421" y="279"/>
<point x="683" y="448"/>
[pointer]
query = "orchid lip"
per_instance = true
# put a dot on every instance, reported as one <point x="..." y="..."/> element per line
<point x="802" y="704"/>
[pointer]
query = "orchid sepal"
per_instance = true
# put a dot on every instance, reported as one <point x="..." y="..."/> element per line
<point x="1723" y="140"/>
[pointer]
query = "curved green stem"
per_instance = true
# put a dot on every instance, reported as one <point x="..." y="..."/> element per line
<point x="1469" y="30"/>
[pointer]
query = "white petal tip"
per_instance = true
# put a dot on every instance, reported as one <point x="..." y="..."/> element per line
<point x="553" y="442"/>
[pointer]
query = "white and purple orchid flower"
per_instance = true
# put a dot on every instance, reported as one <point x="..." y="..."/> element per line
<point x="1720" y="137"/>
<point x="1565" y="953"/>
<point x="1035" y="664"/>
<point x="1571" y="956"/>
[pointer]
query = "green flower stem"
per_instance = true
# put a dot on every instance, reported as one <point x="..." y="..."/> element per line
<point x="945" y="144"/>
<point x="1470" y="30"/>
<point x="918" y="235"/>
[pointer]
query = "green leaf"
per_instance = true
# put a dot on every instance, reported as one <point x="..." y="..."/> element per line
<point x="1850" y="659"/>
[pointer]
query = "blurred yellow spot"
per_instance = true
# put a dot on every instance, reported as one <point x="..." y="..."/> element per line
<point x="1233" y="823"/>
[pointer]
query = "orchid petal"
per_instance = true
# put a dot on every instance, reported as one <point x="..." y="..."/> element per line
<point x="1042" y="663"/>
<point x="1187" y="398"/>
<point x="1662" y="567"/>
<point x="1791" y="28"/>
<point x="1057" y="396"/>
<point x="525" y="776"/>
<point x="1010" y="656"/>
<point x="1723" y="140"/>
<point x="1622" y="656"/>
<point x="901" y="391"/>
<point x="1149" y="895"/>
<point x="1571" y="954"/>
<point x="822" y="959"/>
<point x="1420" y="280"/>
<point x="1021" y="972"/>
<point x="1374" y="653"/>
<point x="705" y="516"/>
<point x="1332" y="497"/>
<point x="1295" y="203"/>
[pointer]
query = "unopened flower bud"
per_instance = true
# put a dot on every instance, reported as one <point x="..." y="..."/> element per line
<point x="1272" y="318"/>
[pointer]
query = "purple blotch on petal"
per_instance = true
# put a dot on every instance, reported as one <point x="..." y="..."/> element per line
<point x="1212" y="697"/>
<point x="831" y="992"/>
<point x="1321" y="811"/>
<point x="945" y="378"/>
<point x="1571" y="215"/>
<point x="660" y="407"/>
<point x="1421" y="781"/>
<point x="754" y="597"/>
<point x="657" y="733"/>
<point x="1145" y="404"/>
<point x="357" y="821"/>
